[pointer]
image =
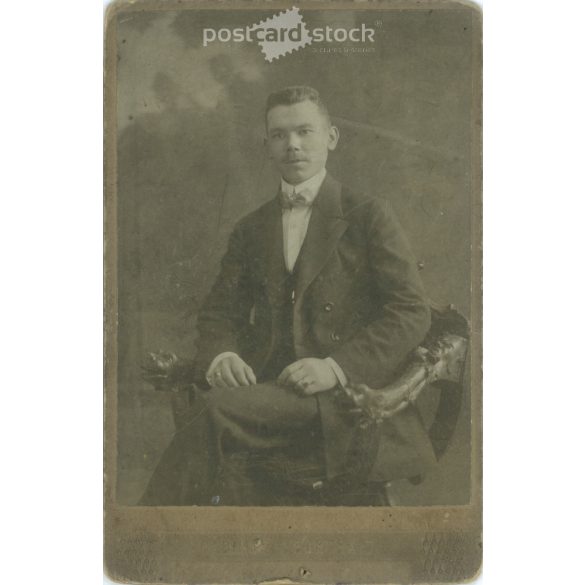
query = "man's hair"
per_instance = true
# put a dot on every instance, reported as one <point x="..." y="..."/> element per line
<point x="296" y="94"/>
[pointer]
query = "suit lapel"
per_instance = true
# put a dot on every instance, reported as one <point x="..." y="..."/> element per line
<point x="273" y="246"/>
<point x="326" y="226"/>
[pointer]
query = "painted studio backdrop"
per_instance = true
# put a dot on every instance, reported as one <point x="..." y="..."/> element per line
<point x="191" y="162"/>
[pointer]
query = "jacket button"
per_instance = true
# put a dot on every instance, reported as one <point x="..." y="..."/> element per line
<point x="334" y="336"/>
<point x="328" y="307"/>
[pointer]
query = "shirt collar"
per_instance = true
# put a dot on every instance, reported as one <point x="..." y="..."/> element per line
<point x="308" y="189"/>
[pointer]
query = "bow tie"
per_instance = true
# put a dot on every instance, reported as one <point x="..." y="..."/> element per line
<point x="288" y="201"/>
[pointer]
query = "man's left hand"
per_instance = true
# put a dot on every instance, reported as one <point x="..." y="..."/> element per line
<point x="308" y="376"/>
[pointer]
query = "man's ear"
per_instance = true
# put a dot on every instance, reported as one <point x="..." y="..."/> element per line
<point x="266" y="149"/>
<point x="333" y="137"/>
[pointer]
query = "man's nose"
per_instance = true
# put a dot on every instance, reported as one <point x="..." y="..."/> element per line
<point x="293" y="141"/>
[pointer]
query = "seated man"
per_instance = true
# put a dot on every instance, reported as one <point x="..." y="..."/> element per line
<point x="317" y="289"/>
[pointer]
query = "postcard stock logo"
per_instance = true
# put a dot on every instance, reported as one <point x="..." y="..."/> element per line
<point x="284" y="33"/>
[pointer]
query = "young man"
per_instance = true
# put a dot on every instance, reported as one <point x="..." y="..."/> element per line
<point x="317" y="289"/>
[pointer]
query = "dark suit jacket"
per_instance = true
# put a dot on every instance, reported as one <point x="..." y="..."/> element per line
<point x="359" y="299"/>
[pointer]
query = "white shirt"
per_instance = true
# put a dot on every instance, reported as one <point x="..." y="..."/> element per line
<point x="295" y="223"/>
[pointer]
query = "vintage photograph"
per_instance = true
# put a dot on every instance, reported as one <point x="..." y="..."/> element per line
<point x="294" y="260"/>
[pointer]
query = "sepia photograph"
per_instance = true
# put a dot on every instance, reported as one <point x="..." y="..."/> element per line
<point x="289" y="280"/>
<point x="293" y="280"/>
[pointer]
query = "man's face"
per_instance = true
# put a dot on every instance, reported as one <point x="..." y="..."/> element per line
<point x="299" y="140"/>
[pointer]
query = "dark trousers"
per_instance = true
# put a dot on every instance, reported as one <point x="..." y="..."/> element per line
<point x="222" y="455"/>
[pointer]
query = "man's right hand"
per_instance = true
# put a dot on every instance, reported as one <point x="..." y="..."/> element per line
<point x="230" y="372"/>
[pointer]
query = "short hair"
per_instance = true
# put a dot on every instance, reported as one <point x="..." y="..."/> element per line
<point x="295" y="94"/>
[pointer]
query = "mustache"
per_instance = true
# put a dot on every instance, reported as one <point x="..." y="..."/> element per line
<point x="295" y="159"/>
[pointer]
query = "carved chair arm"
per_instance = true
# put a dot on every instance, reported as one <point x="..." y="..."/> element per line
<point x="167" y="372"/>
<point x="444" y="360"/>
<point x="440" y="360"/>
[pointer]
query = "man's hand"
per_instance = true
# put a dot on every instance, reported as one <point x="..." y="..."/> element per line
<point x="230" y="372"/>
<point x="308" y="376"/>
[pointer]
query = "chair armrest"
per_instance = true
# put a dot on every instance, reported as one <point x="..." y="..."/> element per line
<point x="440" y="358"/>
<point x="443" y="360"/>
<point x="167" y="372"/>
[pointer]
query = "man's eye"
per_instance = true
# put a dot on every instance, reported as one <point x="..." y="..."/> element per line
<point x="277" y="136"/>
<point x="305" y="131"/>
